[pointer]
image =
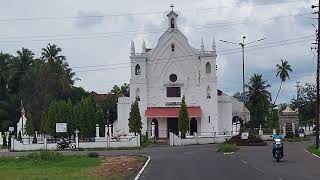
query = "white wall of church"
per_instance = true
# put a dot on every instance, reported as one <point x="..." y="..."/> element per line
<point x="225" y="113"/>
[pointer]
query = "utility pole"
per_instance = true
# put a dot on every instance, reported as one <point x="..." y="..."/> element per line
<point x="318" y="60"/>
<point x="243" y="44"/>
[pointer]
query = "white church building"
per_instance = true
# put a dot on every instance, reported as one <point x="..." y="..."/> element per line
<point x="161" y="76"/>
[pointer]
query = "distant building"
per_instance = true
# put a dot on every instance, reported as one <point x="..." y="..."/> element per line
<point x="161" y="76"/>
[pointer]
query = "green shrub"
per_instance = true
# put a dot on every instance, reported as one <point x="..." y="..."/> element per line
<point x="44" y="156"/>
<point x="93" y="154"/>
<point x="227" y="148"/>
<point x="4" y="141"/>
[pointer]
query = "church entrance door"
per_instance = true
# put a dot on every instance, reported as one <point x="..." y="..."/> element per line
<point x="172" y="124"/>
<point x="193" y="126"/>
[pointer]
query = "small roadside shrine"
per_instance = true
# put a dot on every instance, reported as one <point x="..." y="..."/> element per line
<point x="288" y="121"/>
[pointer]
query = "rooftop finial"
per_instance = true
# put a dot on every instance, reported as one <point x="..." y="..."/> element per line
<point x="132" y="48"/>
<point x="144" y="49"/>
<point x="202" y="45"/>
<point x="214" y="46"/>
<point x="172" y="6"/>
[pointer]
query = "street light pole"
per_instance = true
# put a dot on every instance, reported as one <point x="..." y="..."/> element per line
<point x="318" y="61"/>
<point x="243" y="44"/>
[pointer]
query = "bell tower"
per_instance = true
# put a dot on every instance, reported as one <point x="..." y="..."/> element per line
<point x="172" y="19"/>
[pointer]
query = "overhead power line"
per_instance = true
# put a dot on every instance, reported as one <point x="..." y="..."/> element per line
<point x="191" y="57"/>
<point x="136" y="32"/>
<point x="144" y="13"/>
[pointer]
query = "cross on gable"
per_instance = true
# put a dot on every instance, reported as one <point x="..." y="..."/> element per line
<point x="172" y="6"/>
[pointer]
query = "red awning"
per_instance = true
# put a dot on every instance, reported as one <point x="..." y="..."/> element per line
<point x="171" y="112"/>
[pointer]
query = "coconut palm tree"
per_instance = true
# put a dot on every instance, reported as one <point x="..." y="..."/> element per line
<point x="283" y="73"/>
<point x="259" y="99"/>
<point x="24" y="58"/>
<point x="51" y="54"/>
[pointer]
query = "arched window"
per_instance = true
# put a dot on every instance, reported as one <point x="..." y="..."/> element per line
<point x="208" y="68"/>
<point x="138" y="70"/>
<point x="172" y="22"/>
<point x="208" y="93"/>
<point x="138" y="94"/>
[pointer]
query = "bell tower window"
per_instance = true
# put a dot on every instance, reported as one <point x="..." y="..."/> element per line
<point x="172" y="22"/>
<point x="137" y="70"/>
<point x="208" y="68"/>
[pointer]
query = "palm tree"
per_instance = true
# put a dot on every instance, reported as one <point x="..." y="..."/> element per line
<point x="51" y="54"/>
<point x="24" y="58"/>
<point x="259" y="99"/>
<point x="283" y="73"/>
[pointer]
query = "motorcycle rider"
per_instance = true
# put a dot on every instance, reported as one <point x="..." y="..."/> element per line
<point x="277" y="136"/>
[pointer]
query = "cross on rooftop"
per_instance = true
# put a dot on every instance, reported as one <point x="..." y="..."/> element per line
<point x="172" y="6"/>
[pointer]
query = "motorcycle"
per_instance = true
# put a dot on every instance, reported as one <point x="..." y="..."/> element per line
<point x="63" y="144"/>
<point x="277" y="149"/>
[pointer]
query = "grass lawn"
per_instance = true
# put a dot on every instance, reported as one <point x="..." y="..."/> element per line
<point x="312" y="149"/>
<point x="44" y="167"/>
<point x="227" y="148"/>
<point x="297" y="139"/>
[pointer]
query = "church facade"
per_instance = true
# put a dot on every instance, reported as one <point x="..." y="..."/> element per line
<point x="161" y="76"/>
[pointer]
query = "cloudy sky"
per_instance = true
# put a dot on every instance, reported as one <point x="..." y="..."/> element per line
<point x="95" y="35"/>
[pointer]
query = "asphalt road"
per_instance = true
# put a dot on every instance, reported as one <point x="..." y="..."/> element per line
<point x="250" y="163"/>
<point x="202" y="162"/>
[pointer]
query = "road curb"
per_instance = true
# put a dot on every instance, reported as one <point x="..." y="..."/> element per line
<point x="313" y="154"/>
<point x="142" y="169"/>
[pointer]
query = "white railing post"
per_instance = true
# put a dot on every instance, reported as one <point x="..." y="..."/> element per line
<point x="45" y="143"/>
<point x="12" y="144"/>
<point x="215" y="136"/>
<point x="77" y="138"/>
<point x="106" y="131"/>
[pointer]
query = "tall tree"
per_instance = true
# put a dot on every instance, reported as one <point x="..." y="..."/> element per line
<point x="29" y="125"/>
<point x="183" y="118"/>
<point x="135" y="124"/>
<point x="259" y="99"/>
<point x="283" y="70"/>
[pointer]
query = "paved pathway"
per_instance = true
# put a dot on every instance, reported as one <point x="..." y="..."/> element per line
<point x="203" y="162"/>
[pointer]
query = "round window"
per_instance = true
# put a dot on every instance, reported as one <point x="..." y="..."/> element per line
<point x="173" y="78"/>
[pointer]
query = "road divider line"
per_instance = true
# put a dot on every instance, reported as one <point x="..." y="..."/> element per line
<point x="244" y="161"/>
<point x="142" y="169"/>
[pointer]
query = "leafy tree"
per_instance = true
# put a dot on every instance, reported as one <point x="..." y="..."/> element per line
<point x="237" y="95"/>
<point x="306" y="104"/>
<point x="273" y="119"/>
<point x="135" y="124"/>
<point x="183" y="118"/>
<point x="29" y="125"/>
<point x="45" y="124"/>
<point x="259" y="101"/>
<point x="283" y="70"/>
<point x="282" y="106"/>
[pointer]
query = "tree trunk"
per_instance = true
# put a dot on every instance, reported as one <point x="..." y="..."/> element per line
<point x="278" y="93"/>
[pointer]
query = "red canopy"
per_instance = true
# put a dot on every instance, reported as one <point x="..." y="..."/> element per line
<point x="171" y="112"/>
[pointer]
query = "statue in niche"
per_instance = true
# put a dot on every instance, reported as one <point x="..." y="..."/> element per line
<point x="172" y="22"/>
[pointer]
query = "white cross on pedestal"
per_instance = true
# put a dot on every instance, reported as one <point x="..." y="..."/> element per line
<point x="77" y="132"/>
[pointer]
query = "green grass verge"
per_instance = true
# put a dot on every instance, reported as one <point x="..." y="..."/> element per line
<point x="48" y="165"/>
<point x="227" y="148"/>
<point x="297" y="139"/>
<point x="312" y="149"/>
